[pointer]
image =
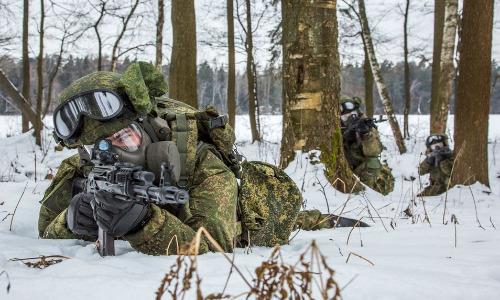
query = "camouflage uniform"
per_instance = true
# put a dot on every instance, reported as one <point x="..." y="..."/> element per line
<point x="269" y="201"/>
<point x="439" y="176"/>
<point x="363" y="154"/>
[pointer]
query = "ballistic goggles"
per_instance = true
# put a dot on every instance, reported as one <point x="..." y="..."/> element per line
<point x="99" y="105"/>
<point x="434" y="139"/>
<point x="348" y="106"/>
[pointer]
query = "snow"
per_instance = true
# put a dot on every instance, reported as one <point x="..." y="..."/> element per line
<point x="412" y="258"/>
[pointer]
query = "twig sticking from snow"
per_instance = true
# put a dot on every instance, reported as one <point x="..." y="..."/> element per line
<point x="355" y="254"/>
<point x="376" y="211"/>
<point x="8" y="280"/>
<point x="349" y="282"/>
<point x="454" y="220"/>
<point x="491" y="221"/>
<point x="475" y="208"/>
<point x="15" y="209"/>
<point x="323" y="191"/>
<point x="449" y="179"/>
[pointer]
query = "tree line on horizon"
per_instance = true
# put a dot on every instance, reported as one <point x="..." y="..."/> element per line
<point x="212" y="84"/>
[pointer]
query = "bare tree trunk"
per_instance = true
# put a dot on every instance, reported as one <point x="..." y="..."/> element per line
<point x="159" y="34"/>
<point x="368" y="86"/>
<point x="125" y="21"/>
<point x="26" y="63"/>
<point x="377" y="75"/>
<point x="39" y="95"/>
<point x="473" y="94"/>
<point x="447" y="68"/>
<point x="52" y="78"/>
<point x="182" y="79"/>
<point x="231" y="72"/>
<point x="95" y="26"/>
<point x="17" y="99"/>
<point x="311" y="81"/>
<point x="407" y="74"/>
<point x="251" y="76"/>
<point x="436" y="61"/>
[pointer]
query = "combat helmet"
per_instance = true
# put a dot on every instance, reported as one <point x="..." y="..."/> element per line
<point x="436" y="138"/>
<point x="349" y="104"/>
<point x="101" y="103"/>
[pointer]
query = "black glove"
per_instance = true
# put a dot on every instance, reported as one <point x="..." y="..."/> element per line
<point x="119" y="215"/>
<point x="80" y="217"/>
<point x="445" y="152"/>
<point x="430" y="159"/>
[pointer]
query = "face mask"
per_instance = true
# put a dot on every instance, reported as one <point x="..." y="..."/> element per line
<point x="346" y="116"/>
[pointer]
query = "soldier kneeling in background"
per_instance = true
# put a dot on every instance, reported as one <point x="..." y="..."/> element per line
<point x="362" y="147"/>
<point x="438" y="163"/>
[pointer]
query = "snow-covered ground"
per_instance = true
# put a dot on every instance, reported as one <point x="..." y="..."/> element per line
<point x="412" y="258"/>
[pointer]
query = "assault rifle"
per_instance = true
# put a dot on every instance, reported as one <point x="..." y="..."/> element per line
<point x="439" y="154"/>
<point x="356" y="124"/>
<point x="127" y="180"/>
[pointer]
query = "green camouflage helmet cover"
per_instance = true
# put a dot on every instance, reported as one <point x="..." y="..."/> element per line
<point x="140" y="84"/>
<point x="354" y="99"/>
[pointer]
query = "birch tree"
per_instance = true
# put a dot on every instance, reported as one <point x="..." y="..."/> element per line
<point x="377" y="75"/>
<point x="159" y="34"/>
<point x="436" y="59"/>
<point x="447" y="69"/>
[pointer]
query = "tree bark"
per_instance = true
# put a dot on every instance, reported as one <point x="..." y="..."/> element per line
<point x="311" y="86"/>
<point x="26" y="63"/>
<point x="39" y="94"/>
<point x="377" y="75"/>
<point x="231" y="72"/>
<point x="436" y="61"/>
<point x="95" y="26"/>
<point x="447" y="68"/>
<point x="368" y="86"/>
<point x="473" y="94"/>
<point x="159" y="34"/>
<point x="406" y="74"/>
<point x="251" y="77"/>
<point x="126" y="20"/>
<point x="17" y="99"/>
<point x="182" y="79"/>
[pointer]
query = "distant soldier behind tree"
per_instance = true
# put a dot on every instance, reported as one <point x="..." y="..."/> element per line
<point x="362" y="147"/>
<point x="438" y="163"/>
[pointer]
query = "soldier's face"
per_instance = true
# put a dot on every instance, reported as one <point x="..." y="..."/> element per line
<point x="128" y="139"/>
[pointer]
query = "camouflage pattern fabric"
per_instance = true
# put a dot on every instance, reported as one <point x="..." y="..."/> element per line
<point x="212" y="204"/>
<point x="363" y="157"/>
<point x="313" y="220"/>
<point x="439" y="176"/>
<point x="269" y="204"/>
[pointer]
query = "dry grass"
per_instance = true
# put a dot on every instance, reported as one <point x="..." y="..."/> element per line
<point x="309" y="278"/>
<point x="41" y="262"/>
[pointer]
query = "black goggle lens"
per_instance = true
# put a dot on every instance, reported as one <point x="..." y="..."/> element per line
<point x="100" y="105"/>
<point x="434" y="139"/>
<point x="348" y="107"/>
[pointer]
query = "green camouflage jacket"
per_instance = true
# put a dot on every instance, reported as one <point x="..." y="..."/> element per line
<point x="439" y="176"/>
<point x="363" y="157"/>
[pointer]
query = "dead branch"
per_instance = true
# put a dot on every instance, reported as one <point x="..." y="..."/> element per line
<point x="365" y="259"/>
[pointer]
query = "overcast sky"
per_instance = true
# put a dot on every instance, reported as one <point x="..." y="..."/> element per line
<point x="385" y="18"/>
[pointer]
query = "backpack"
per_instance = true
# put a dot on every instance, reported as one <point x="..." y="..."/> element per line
<point x="268" y="200"/>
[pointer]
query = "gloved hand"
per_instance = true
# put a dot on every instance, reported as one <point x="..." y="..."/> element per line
<point x="430" y="159"/>
<point x="80" y="217"/>
<point x="119" y="215"/>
